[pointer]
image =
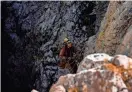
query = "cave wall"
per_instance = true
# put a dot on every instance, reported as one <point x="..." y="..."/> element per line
<point x="32" y="34"/>
<point x="114" y="34"/>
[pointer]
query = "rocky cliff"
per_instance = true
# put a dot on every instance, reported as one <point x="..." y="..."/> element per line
<point x="115" y="27"/>
<point x="113" y="37"/>
<point x="100" y="72"/>
<point x="33" y="33"/>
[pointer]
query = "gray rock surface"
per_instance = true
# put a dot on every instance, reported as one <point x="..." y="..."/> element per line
<point x="33" y="34"/>
<point x="100" y="10"/>
<point x="90" y="46"/>
<point x="36" y="31"/>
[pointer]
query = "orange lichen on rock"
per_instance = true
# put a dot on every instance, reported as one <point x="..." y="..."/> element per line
<point x="126" y="74"/>
<point x="73" y="89"/>
<point x="76" y="89"/>
<point x="113" y="68"/>
<point x="57" y="88"/>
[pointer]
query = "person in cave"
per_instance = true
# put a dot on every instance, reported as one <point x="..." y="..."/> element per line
<point x="67" y="54"/>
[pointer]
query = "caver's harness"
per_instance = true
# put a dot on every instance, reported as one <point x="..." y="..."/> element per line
<point x="70" y="61"/>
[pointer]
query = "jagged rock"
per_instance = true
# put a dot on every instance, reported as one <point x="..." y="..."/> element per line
<point x="126" y="44"/>
<point x="100" y="11"/>
<point x="35" y="29"/>
<point x="90" y="46"/>
<point x="92" y="81"/>
<point x="115" y="25"/>
<point x="100" y="72"/>
<point x="48" y="74"/>
<point x="93" y="61"/>
<point x="59" y="88"/>
<point x="122" y="60"/>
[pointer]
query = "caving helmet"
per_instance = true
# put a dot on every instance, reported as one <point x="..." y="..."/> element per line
<point x="66" y="40"/>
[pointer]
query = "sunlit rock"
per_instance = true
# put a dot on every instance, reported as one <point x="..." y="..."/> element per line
<point x="94" y="61"/>
<point x="92" y="80"/>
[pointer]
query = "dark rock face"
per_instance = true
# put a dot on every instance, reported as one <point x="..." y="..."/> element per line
<point x="32" y="34"/>
<point x="100" y="10"/>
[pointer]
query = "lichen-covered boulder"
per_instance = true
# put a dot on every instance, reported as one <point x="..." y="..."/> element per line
<point x="100" y="72"/>
<point x="93" y="81"/>
<point x="94" y="61"/>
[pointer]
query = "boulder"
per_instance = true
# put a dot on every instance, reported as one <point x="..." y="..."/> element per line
<point x="92" y="81"/>
<point x="90" y="46"/>
<point x="94" y="61"/>
<point x="59" y="88"/>
<point x="100" y="72"/>
<point x="122" y="60"/>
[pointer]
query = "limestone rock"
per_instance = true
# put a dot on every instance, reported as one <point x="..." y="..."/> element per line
<point x="122" y="60"/>
<point x="92" y="81"/>
<point x="93" y="61"/>
<point x="59" y="88"/>
<point x="100" y="11"/>
<point x="34" y="29"/>
<point x="90" y="46"/>
<point x="126" y="44"/>
<point x="114" y="27"/>
<point x="100" y="72"/>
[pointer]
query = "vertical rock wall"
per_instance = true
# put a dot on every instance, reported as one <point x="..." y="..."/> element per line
<point x="115" y="25"/>
<point x="36" y="31"/>
<point x="100" y="10"/>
